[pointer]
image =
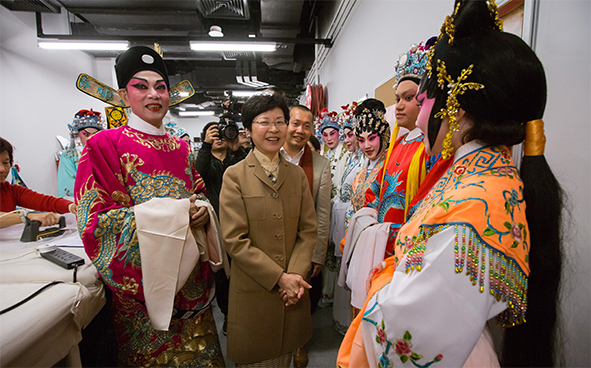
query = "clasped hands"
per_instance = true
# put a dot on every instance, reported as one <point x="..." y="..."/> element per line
<point x="291" y="288"/>
<point x="198" y="216"/>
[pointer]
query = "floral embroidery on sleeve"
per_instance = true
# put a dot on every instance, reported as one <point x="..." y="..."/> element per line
<point x="404" y="351"/>
<point x="402" y="347"/>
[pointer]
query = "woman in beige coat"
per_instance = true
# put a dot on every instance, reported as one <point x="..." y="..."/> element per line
<point x="269" y="225"/>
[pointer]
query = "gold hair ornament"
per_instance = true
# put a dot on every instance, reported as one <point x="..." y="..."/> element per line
<point x="456" y="88"/>
<point x="428" y="67"/>
<point x="158" y="49"/>
<point x="535" y="139"/>
<point x="492" y="7"/>
<point x="374" y="120"/>
<point x="448" y="26"/>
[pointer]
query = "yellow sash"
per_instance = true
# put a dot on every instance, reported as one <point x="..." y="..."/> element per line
<point x="415" y="175"/>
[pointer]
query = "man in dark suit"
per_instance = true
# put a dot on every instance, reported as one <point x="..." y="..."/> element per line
<point x="317" y="169"/>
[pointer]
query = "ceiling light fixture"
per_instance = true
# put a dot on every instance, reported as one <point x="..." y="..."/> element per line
<point x="54" y="44"/>
<point x="215" y="31"/>
<point x="196" y="113"/>
<point x="243" y="93"/>
<point x="246" y="74"/>
<point x="233" y="46"/>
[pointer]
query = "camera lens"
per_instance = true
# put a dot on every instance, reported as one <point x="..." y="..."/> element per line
<point x="230" y="132"/>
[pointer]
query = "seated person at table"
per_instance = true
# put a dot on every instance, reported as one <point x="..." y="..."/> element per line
<point x="15" y="195"/>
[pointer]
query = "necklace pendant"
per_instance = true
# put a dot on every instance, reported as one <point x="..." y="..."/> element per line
<point x="272" y="178"/>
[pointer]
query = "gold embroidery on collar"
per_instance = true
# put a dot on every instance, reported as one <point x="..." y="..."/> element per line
<point x="165" y="143"/>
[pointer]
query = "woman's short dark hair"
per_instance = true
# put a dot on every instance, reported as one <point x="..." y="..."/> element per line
<point x="261" y="103"/>
<point x="6" y="146"/>
<point x="315" y="142"/>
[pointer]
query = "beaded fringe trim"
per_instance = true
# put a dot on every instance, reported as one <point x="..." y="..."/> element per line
<point x="507" y="282"/>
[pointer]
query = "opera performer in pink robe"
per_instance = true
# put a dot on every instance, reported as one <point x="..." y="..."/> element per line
<point x="134" y="188"/>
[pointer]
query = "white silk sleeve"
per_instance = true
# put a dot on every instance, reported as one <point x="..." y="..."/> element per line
<point x="430" y="316"/>
<point x="168" y="253"/>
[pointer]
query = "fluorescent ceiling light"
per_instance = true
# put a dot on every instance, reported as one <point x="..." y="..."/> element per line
<point x="196" y="113"/>
<point x="243" y="93"/>
<point x="82" y="45"/>
<point x="232" y="46"/>
<point x="199" y="106"/>
<point x="255" y="80"/>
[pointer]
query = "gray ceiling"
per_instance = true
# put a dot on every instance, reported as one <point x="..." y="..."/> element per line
<point x="172" y="23"/>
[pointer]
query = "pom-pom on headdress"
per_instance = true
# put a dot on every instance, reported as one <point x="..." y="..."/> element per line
<point x="345" y="117"/>
<point x="85" y="119"/>
<point x="328" y="120"/>
<point x="411" y="63"/>
<point x="82" y="120"/>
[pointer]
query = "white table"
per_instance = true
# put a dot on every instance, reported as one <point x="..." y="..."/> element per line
<point x="47" y="328"/>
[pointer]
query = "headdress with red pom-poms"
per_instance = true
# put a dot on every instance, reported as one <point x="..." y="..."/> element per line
<point x="328" y="120"/>
<point x="346" y="115"/>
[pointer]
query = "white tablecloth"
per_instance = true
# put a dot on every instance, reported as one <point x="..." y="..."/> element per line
<point x="47" y="328"/>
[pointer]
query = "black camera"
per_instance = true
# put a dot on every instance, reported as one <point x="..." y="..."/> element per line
<point x="228" y="127"/>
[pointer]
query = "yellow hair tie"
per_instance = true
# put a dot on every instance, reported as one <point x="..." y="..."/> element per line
<point x="535" y="140"/>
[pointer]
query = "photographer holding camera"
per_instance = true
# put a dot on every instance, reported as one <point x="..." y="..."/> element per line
<point x="220" y="149"/>
<point x="217" y="153"/>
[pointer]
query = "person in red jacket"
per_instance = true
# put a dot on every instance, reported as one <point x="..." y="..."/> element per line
<point x="16" y="195"/>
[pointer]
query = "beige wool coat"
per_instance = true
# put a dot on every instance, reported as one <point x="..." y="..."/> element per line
<point x="268" y="229"/>
<point x="321" y="193"/>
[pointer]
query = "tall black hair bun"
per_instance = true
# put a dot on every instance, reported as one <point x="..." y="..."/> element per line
<point x="371" y="104"/>
<point x="473" y="17"/>
<point x="431" y="41"/>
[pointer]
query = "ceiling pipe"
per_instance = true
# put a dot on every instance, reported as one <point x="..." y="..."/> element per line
<point x="326" y="42"/>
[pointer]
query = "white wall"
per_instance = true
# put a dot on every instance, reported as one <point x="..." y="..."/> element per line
<point x="363" y="57"/>
<point x="564" y="48"/>
<point x="376" y="33"/>
<point x="38" y="97"/>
